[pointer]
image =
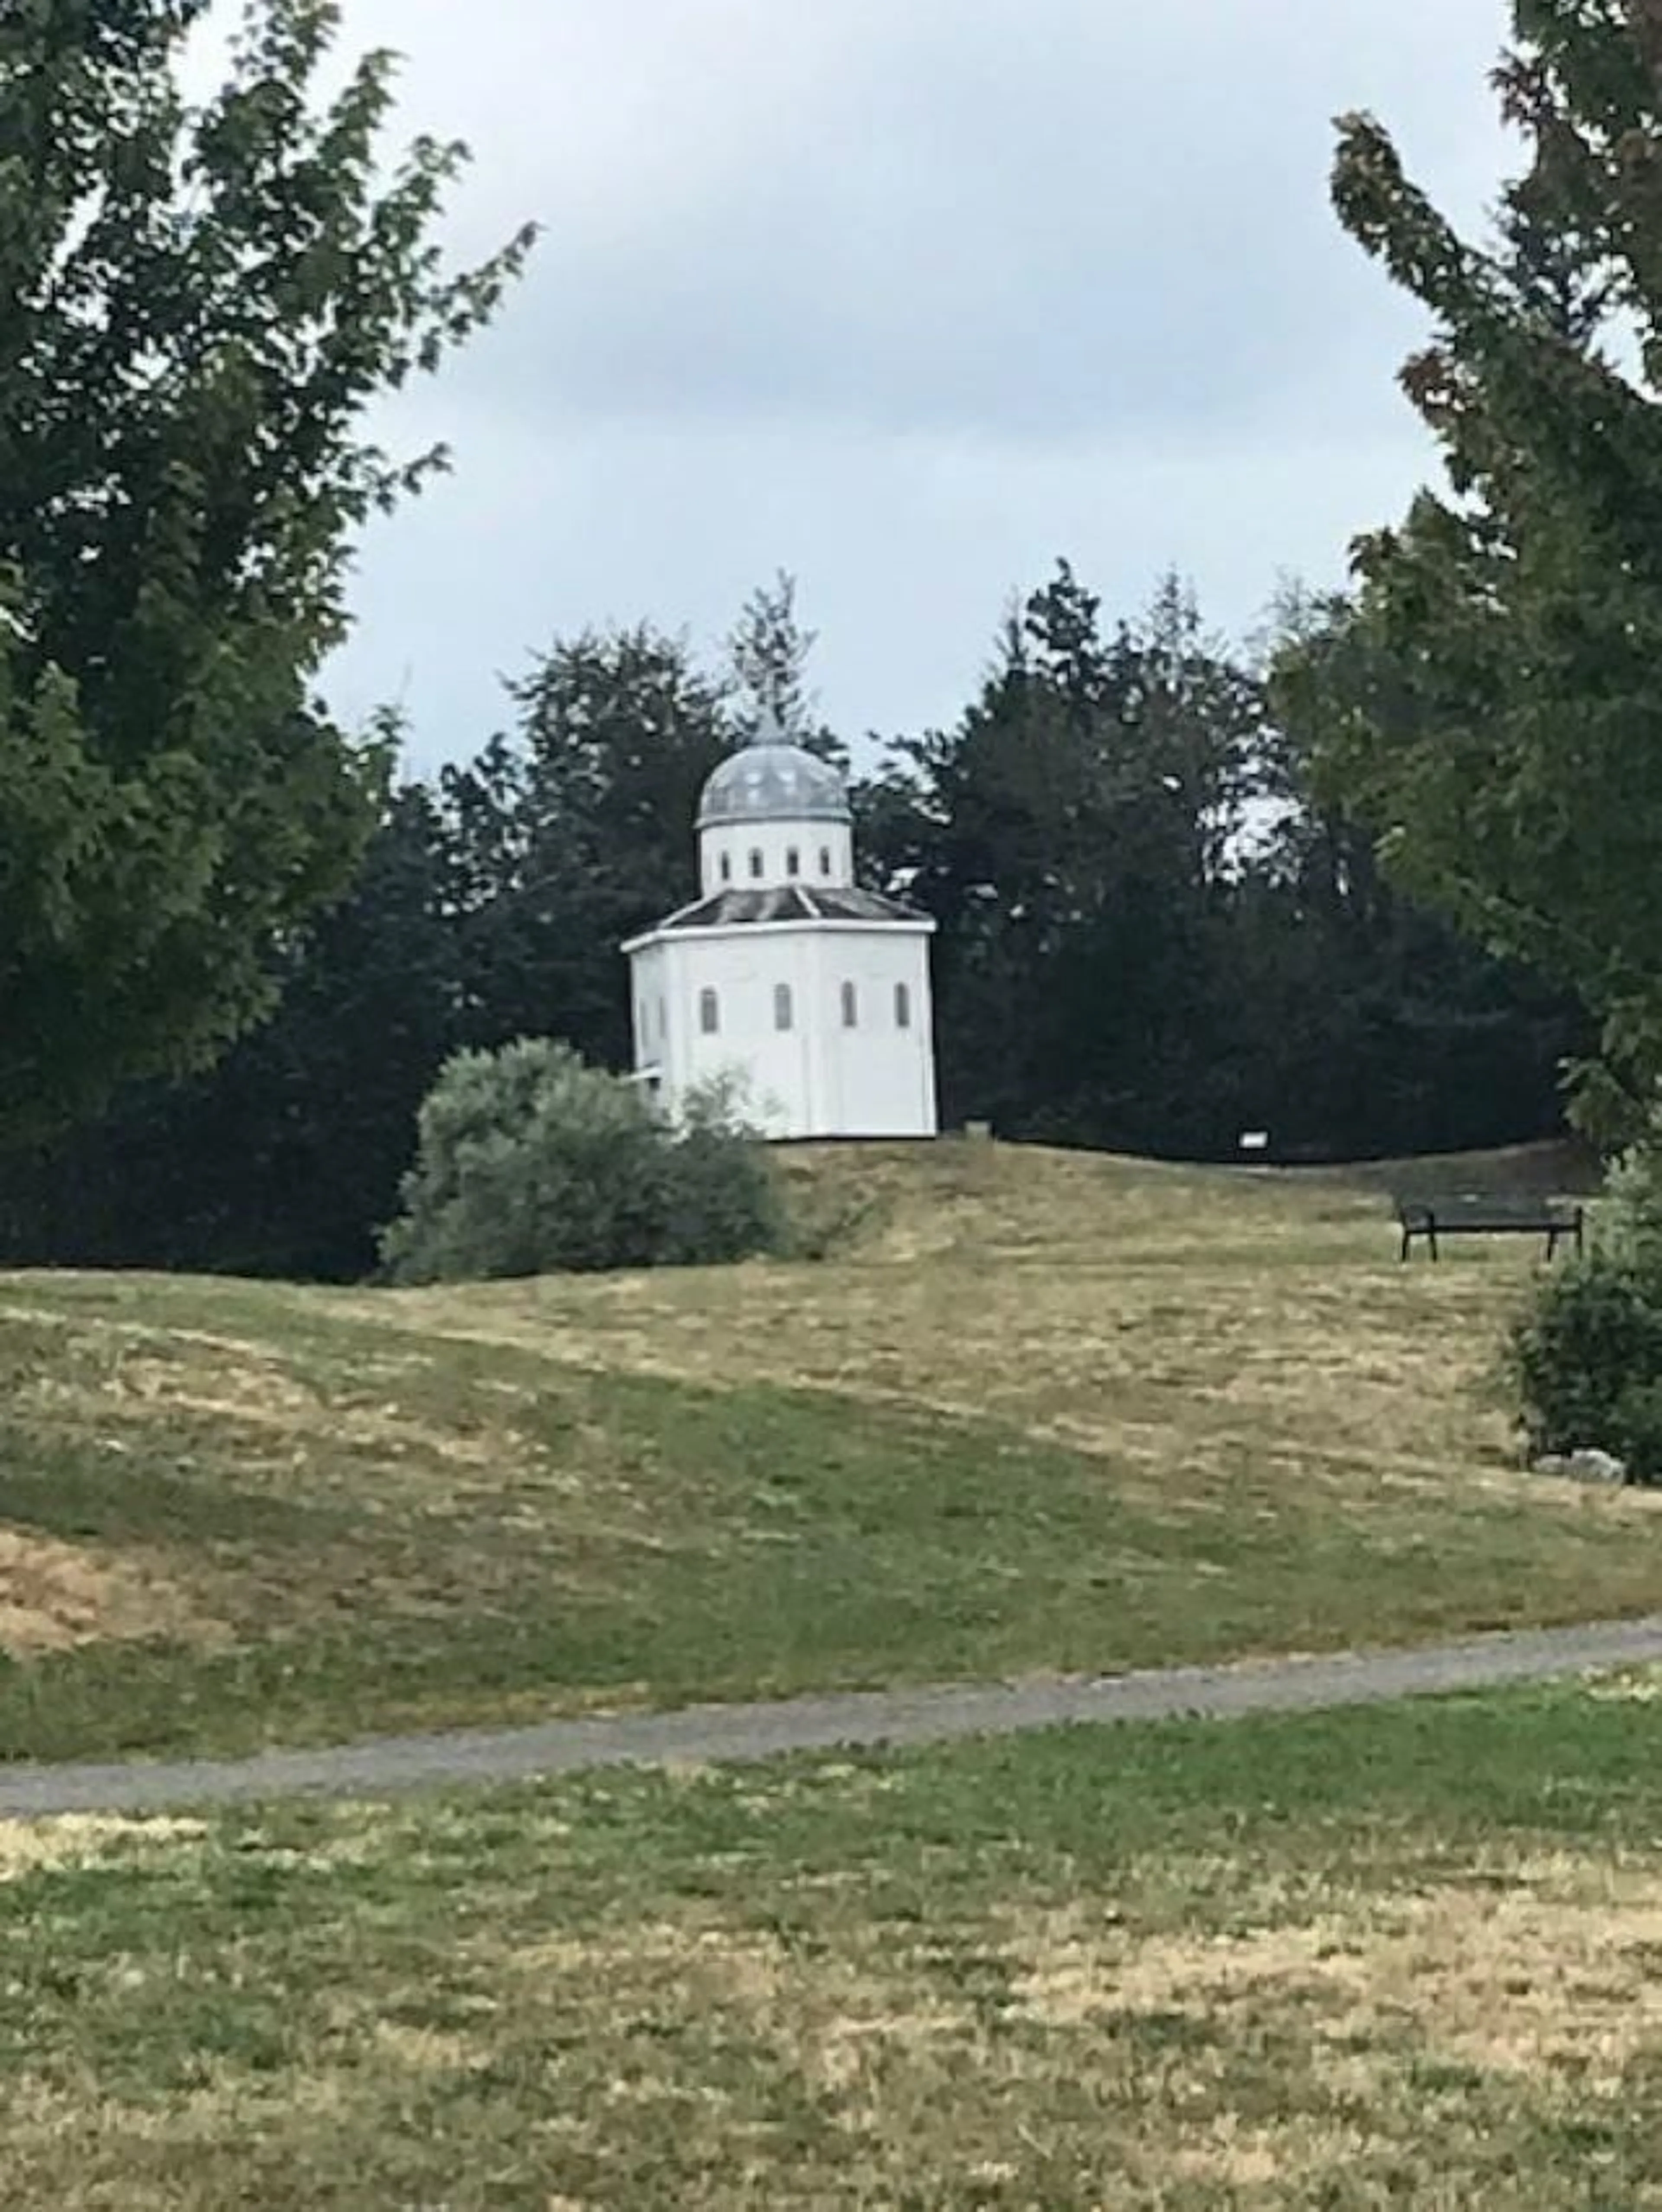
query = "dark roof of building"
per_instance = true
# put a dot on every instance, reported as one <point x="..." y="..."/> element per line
<point x="790" y="902"/>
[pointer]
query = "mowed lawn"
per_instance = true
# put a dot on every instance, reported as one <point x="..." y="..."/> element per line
<point x="1044" y="1414"/>
<point x="1402" y="1957"/>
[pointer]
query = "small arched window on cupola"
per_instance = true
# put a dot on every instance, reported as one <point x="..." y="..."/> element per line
<point x="756" y="862"/>
<point x="793" y="862"/>
<point x="903" y="1006"/>
<point x="709" y="1011"/>
<point x="850" y="1008"/>
<point x="784" y="1007"/>
<point x="727" y="867"/>
<point x="825" y="860"/>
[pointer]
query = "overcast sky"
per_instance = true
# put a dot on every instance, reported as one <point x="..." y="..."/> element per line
<point x="908" y="297"/>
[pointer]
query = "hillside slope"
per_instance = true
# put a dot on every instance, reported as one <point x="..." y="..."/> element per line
<point x="1048" y="1412"/>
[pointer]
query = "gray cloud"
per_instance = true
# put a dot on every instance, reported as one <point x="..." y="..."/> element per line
<point x="908" y="295"/>
<point x="1019" y="215"/>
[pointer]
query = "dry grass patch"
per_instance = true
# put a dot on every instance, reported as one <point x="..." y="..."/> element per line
<point x="85" y="1840"/>
<point x="59" y="1597"/>
<point x="278" y="1417"/>
<point x="1545" y="1968"/>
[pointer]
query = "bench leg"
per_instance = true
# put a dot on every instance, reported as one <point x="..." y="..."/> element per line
<point x="1408" y="1244"/>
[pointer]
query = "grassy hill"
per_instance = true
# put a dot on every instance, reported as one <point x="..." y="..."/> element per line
<point x="1044" y="1412"/>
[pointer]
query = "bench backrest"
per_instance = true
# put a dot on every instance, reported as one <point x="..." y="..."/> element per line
<point x="1471" y="1210"/>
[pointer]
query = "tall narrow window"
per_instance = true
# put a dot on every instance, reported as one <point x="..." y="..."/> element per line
<point x="793" y="862"/>
<point x="709" y="1011"/>
<point x="755" y="861"/>
<point x="727" y="867"/>
<point x="784" y="1009"/>
<point x="902" y="1007"/>
<point x="825" y="860"/>
<point x="663" y="1020"/>
<point x="850" y="1008"/>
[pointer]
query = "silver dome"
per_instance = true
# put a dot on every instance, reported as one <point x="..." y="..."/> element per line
<point x="773" y="781"/>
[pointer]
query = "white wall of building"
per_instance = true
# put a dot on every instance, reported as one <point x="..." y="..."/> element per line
<point x="743" y="969"/>
<point x="878" y="1074"/>
<point x="744" y="856"/>
<point x="819" y="1076"/>
<point x="649" y="982"/>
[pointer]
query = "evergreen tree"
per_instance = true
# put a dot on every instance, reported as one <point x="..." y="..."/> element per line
<point x="576" y="833"/>
<point x="768" y="654"/>
<point x="1069" y="837"/>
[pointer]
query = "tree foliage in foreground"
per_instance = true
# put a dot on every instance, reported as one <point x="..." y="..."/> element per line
<point x="1500" y="721"/>
<point x="198" y="307"/>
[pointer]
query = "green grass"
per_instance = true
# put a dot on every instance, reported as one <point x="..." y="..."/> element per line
<point x="1375" y="1958"/>
<point x="1054" y="1414"/>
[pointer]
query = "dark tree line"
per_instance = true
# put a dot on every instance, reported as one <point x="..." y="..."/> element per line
<point x="1153" y="936"/>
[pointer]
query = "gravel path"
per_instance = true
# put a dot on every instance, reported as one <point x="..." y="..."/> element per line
<point x="393" y="1766"/>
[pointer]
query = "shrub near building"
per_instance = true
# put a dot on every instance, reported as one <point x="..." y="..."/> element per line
<point x="530" y="1162"/>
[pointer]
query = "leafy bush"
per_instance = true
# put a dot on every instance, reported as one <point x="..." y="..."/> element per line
<point x="722" y="1197"/>
<point x="1630" y="1223"/>
<point x="530" y="1162"/>
<point x="1586" y="1359"/>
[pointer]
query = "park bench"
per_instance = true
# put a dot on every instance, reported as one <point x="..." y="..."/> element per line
<point x="1559" y="1220"/>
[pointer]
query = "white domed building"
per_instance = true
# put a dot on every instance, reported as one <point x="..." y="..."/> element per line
<point x="813" y="994"/>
